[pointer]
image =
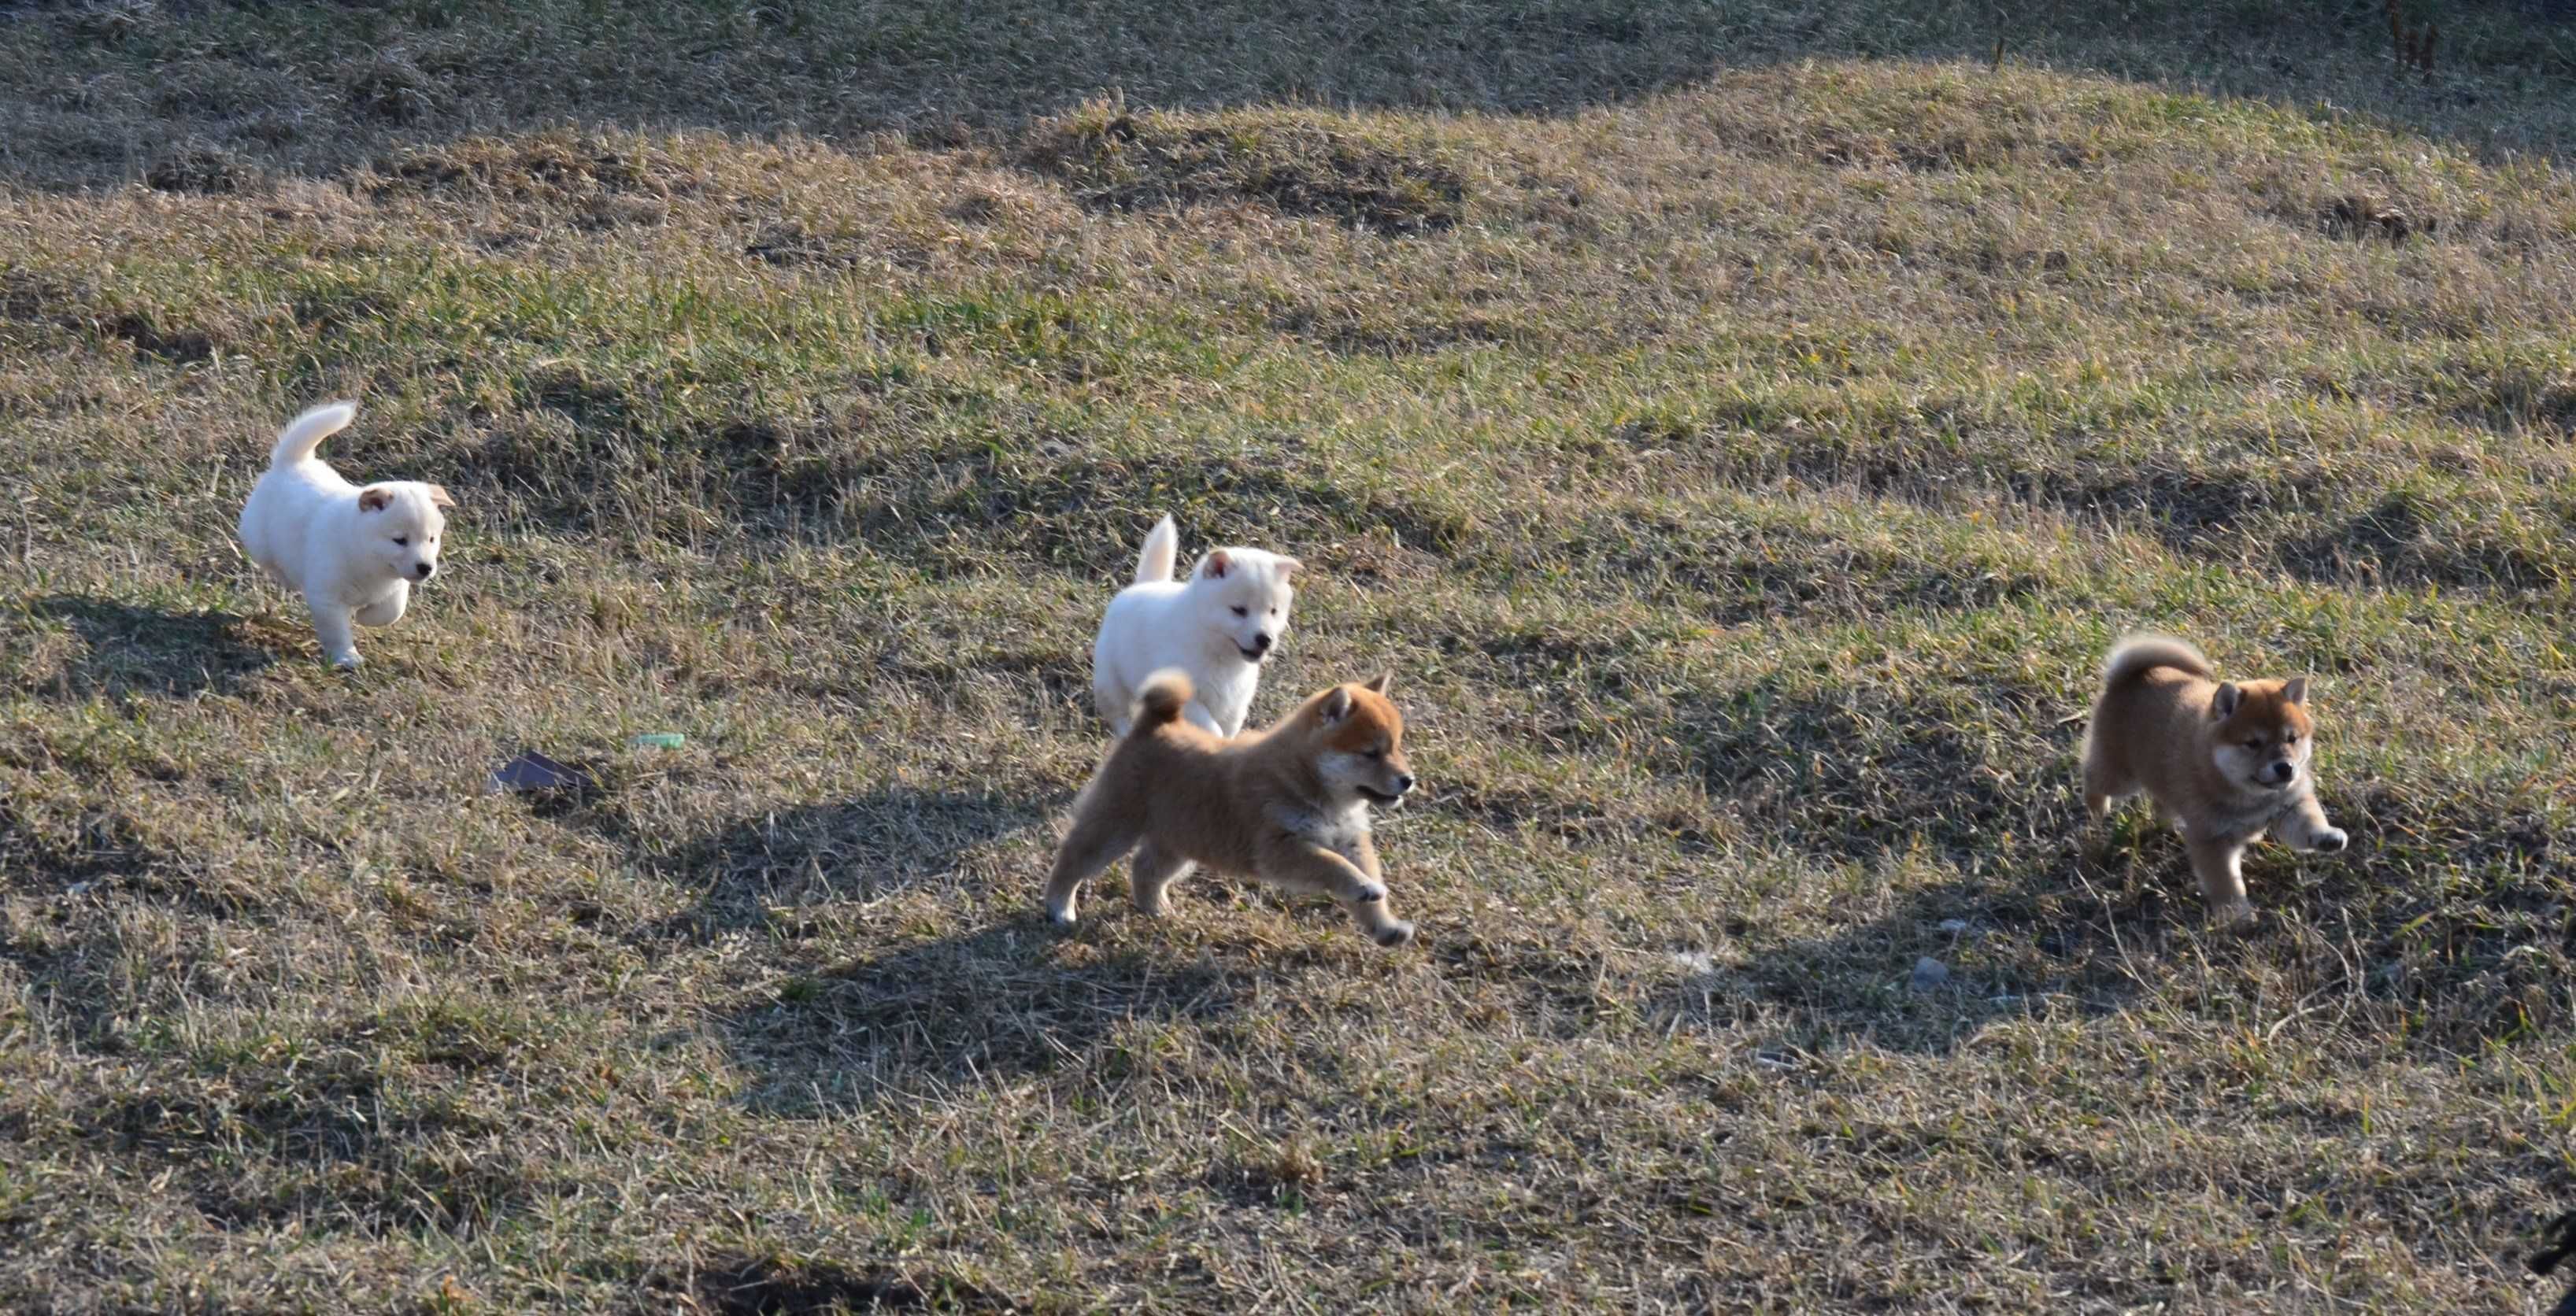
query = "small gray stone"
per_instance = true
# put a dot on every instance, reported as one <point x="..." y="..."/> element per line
<point x="1954" y="926"/>
<point x="1930" y="973"/>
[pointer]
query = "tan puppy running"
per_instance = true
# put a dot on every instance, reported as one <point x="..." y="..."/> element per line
<point x="2228" y="761"/>
<point x="1289" y="805"/>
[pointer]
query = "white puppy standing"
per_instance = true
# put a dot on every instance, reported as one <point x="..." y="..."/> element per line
<point x="1218" y="626"/>
<point x="353" y="552"/>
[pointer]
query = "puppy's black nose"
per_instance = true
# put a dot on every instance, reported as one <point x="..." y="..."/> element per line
<point x="423" y="570"/>
<point x="1261" y="642"/>
<point x="2284" y="770"/>
<point x="1404" y="783"/>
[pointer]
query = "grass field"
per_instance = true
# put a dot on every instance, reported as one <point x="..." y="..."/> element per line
<point x="1741" y="428"/>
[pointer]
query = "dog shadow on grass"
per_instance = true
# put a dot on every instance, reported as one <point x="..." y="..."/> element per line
<point x="2061" y="935"/>
<point x="2032" y="914"/>
<point x="850" y="850"/>
<point x="980" y="1003"/>
<point x="1970" y="849"/>
<point x="130" y="650"/>
<point x="989" y="1004"/>
<point x="1979" y="893"/>
<point x="977" y="1004"/>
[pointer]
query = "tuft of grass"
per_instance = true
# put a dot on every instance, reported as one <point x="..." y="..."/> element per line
<point x="1297" y="164"/>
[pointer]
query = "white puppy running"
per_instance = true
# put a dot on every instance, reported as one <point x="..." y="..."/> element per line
<point x="1217" y="626"/>
<point x="353" y="553"/>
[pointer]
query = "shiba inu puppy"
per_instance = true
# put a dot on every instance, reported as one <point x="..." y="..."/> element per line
<point x="1289" y="805"/>
<point x="1217" y="627"/>
<point x="2228" y="760"/>
<point x="353" y="553"/>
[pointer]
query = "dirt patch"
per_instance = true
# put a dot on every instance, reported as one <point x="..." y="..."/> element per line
<point x="1350" y="331"/>
<point x="38" y="298"/>
<point x="780" y="1286"/>
<point x="177" y="346"/>
<point x="1292" y="164"/>
<point x="555" y="169"/>
<point x="794" y="244"/>
<point x="2520" y="398"/>
<point x="2362" y="217"/>
<point x="76" y="853"/>
<point x="198" y="168"/>
<point x="390" y="88"/>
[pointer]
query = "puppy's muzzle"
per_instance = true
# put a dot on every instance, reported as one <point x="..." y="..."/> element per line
<point x="1401" y="785"/>
<point x="2281" y="773"/>
<point x="423" y="570"/>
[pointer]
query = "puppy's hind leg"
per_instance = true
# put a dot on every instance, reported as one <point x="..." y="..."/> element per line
<point x="331" y="626"/>
<point x="387" y="610"/>
<point x="1151" y="873"/>
<point x="1112" y="698"/>
<point x="2104" y="782"/>
<point x="1098" y="837"/>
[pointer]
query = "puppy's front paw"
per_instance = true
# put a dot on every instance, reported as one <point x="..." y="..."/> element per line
<point x="347" y="662"/>
<point x="1395" y="934"/>
<point x="2330" y="841"/>
<point x="2238" y="917"/>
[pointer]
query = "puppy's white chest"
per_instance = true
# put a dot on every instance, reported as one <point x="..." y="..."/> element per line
<point x="2249" y="817"/>
<point x="1228" y="695"/>
<point x="1334" y="829"/>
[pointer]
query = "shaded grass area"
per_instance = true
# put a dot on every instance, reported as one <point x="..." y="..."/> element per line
<point x="213" y="98"/>
<point x="1744" y="470"/>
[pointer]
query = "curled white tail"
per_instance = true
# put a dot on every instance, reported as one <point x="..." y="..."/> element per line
<point x="306" y="432"/>
<point x="1162" y="550"/>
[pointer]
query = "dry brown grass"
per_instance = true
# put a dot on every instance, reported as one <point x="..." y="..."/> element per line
<point x="1745" y="466"/>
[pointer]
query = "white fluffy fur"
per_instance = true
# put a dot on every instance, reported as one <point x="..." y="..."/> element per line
<point x="1218" y="626"/>
<point x="353" y="553"/>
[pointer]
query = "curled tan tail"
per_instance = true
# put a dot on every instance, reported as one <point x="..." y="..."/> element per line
<point x="2141" y="653"/>
<point x="1161" y="699"/>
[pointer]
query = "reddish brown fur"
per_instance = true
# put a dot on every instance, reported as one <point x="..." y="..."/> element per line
<point x="2212" y="754"/>
<point x="1288" y="805"/>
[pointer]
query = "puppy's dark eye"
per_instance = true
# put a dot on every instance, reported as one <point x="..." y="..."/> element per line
<point x="1241" y="613"/>
<point x="2255" y="743"/>
<point x="1377" y="753"/>
<point x="401" y="540"/>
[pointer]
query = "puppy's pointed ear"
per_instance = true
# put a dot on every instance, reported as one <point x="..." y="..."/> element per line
<point x="438" y="496"/>
<point x="1289" y="566"/>
<point x="2223" y="704"/>
<point x="1215" y="565"/>
<point x="2296" y="691"/>
<point x="1337" y="705"/>
<point x="1383" y="681"/>
<point x="375" y="499"/>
